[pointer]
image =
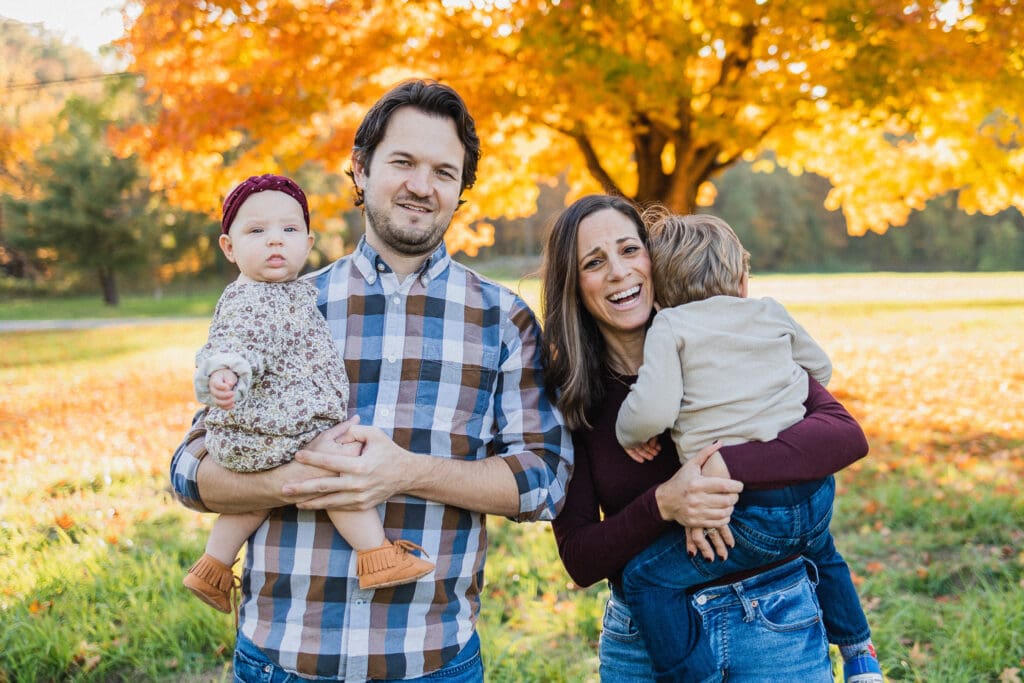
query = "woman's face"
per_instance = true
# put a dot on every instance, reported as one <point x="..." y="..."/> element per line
<point x="614" y="272"/>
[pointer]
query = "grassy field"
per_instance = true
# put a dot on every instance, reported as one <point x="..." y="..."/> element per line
<point x="92" y="547"/>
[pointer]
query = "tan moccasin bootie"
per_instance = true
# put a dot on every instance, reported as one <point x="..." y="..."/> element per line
<point x="390" y="565"/>
<point x="213" y="582"/>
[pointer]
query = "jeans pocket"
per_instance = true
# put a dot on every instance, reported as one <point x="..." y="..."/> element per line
<point x="618" y="623"/>
<point x="790" y="609"/>
<point x="250" y="670"/>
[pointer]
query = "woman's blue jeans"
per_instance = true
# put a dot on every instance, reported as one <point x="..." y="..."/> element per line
<point x="765" y="628"/>
<point x="768" y="526"/>
<point x="252" y="666"/>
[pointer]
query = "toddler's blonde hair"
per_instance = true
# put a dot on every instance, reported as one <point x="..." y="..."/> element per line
<point x="695" y="257"/>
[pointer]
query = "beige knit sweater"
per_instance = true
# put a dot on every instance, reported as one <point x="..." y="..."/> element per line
<point x="723" y="368"/>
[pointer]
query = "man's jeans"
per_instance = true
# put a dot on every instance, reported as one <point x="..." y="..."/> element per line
<point x="252" y="666"/>
<point x="767" y="627"/>
<point x="768" y="526"/>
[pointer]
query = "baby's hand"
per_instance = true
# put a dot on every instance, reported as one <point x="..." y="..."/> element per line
<point x="222" y="388"/>
<point x="645" y="451"/>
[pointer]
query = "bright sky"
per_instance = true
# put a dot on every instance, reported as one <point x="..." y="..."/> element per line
<point x="88" y="23"/>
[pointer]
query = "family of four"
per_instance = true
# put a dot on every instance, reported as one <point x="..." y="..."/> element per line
<point x="364" y="419"/>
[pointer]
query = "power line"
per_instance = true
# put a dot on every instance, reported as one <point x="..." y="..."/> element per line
<point x="63" y="81"/>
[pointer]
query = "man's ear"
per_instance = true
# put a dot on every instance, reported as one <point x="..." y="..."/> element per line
<point x="744" y="285"/>
<point x="358" y="171"/>
<point x="227" y="248"/>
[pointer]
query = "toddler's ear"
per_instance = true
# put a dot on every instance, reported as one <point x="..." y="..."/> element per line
<point x="227" y="247"/>
<point x="744" y="285"/>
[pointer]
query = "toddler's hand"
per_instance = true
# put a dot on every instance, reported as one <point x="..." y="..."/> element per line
<point x="222" y="388"/>
<point x="645" y="451"/>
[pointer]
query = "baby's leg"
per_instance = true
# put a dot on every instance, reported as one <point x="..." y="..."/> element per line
<point x="211" y="578"/>
<point x="379" y="562"/>
<point x="230" y="532"/>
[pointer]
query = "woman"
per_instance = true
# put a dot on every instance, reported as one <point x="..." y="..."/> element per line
<point x="598" y="302"/>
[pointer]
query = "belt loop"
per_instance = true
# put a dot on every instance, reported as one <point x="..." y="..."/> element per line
<point x="748" y="609"/>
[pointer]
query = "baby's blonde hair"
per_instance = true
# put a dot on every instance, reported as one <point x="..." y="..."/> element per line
<point x="695" y="257"/>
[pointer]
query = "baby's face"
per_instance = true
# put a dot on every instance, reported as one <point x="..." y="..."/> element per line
<point x="268" y="239"/>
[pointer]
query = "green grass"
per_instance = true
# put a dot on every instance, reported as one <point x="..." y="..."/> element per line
<point x="174" y="306"/>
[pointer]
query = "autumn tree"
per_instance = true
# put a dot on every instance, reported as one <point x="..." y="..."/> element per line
<point x="37" y="76"/>
<point x="92" y="212"/>
<point x="893" y="103"/>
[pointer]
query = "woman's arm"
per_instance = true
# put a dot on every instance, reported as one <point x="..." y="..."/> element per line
<point x="824" y="442"/>
<point x="593" y="548"/>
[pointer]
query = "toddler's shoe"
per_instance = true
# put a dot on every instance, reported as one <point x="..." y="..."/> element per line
<point x="391" y="564"/>
<point x="212" y="581"/>
<point x="863" y="668"/>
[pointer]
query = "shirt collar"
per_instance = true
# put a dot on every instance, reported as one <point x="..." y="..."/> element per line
<point x="370" y="264"/>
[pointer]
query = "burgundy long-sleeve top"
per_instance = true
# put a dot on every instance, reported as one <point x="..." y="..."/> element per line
<point x="610" y="511"/>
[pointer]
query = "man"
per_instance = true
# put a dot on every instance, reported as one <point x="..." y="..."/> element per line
<point x="445" y="373"/>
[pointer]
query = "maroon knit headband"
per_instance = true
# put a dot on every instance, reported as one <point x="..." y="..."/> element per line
<point x="261" y="183"/>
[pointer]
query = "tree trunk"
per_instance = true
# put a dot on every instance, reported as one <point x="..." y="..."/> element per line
<point x="109" y="285"/>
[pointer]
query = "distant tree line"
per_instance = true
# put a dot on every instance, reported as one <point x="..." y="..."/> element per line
<point x="783" y="223"/>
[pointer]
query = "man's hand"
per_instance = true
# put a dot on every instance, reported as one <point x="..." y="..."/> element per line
<point x="645" y="451"/>
<point x="222" y="388"/>
<point x="359" y="483"/>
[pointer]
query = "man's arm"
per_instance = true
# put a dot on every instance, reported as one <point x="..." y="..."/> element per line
<point x="385" y="470"/>
<point x="199" y="483"/>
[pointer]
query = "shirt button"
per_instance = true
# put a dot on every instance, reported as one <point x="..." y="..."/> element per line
<point x="702" y="599"/>
<point x="392" y="359"/>
<point x="385" y="412"/>
<point x="396" y="301"/>
<point x="381" y="267"/>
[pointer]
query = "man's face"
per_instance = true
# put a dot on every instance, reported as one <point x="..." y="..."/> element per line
<point x="412" y="185"/>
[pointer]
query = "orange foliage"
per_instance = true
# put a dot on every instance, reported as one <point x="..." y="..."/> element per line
<point x="894" y="103"/>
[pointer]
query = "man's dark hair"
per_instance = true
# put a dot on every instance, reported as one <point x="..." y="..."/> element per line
<point x="429" y="97"/>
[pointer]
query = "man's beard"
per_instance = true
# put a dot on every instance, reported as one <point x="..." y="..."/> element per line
<point x="406" y="241"/>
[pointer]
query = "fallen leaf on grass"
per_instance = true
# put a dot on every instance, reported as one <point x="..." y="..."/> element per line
<point x="919" y="654"/>
<point x="1010" y="675"/>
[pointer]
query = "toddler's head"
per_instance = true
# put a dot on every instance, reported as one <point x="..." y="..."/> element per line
<point x="696" y="257"/>
<point x="265" y="228"/>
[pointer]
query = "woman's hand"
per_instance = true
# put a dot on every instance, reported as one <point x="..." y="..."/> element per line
<point x="698" y="502"/>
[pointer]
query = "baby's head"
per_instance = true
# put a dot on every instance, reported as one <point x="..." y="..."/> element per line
<point x="696" y="257"/>
<point x="265" y="228"/>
